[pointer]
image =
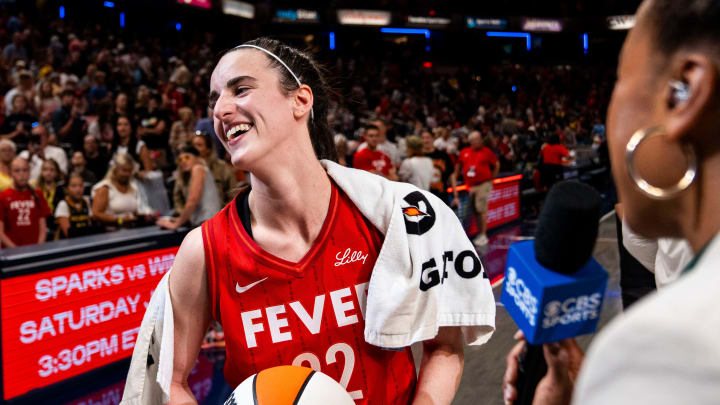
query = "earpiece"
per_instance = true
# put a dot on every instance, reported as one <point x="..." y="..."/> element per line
<point x="680" y="92"/>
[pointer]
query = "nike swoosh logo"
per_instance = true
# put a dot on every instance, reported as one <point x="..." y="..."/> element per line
<point x="241" y="290"/>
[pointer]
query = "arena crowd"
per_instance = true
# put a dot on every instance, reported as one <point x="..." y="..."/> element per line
<point x="100" y="133"/>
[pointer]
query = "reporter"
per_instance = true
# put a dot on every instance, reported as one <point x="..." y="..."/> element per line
<point x="665" y="108"/>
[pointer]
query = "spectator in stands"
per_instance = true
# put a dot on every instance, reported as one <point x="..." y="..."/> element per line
<point x="125" y="142"/>
<point x="341" y="148"/>
<point x="98" y="92"/>
<point x="205" y="125"/>
<point x="96" y="159"/>
<point x="26" y="88"/>
<point x="122" y="107"/>
<point x="373" y="160"/>
<point x="50" y="183"/>
<point x="443" y="167"/>
<point x="445" y="142"/>
<point x="181" y="74"/>
<point x="552" y="157"/>
<point x="14" y="50"/>
<point x="116" y="200"/>
<point x="384" y="145"/>
<point x="223" y="173"/>
<point x="22" y="209"/>
<point x="67" y="120"/>
<point x="195" y="191"/>
<point x="17" y="125"/>
<point x="417" y="169"/>
<point x="102" y="128"/>
<point x="78" y="167"/>
<point x="39" y="150"/>
<point x="45" y="101"/>
<point x="7" y="154"/>
<point x="153" y="129"/>
<point x="183" y="130"/>
<point x="73" y="213"/>
<point x="172" y="98"/>
<point x="478" y="166"/>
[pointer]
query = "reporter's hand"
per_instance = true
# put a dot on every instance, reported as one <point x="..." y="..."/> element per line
<point x="455" y="202"/>
<point x="563" y="358"/>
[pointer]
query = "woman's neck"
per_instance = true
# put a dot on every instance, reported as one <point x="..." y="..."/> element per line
<point x="124" y="141"/>
<point x="700" y="214"/>
<point x="292" y="197"/>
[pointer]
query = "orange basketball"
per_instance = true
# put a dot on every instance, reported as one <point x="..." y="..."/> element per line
<point x="289" y="385"/>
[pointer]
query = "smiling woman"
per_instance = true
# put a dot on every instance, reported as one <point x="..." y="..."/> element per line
<point x="286" y="235"/>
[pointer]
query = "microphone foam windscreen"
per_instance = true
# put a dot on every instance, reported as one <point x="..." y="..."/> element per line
<point x="567" y="227"/>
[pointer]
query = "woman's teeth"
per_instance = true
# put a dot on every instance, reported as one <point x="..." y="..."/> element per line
<point x="238" y="130"/>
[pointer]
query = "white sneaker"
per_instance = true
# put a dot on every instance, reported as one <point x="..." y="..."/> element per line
<point x="480" y="241"/>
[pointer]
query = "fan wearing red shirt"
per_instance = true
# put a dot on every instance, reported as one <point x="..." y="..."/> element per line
<point x="371" y="159"/>
<point x="22" y="209"/>
<point x="285" y="267"/>
<point x="553" y="155"/>
<point x="478" y="165"/>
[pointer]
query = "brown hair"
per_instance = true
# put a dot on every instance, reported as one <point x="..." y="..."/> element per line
<point x="310" y="73"/>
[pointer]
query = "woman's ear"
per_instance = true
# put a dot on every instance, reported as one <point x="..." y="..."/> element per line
<point x="303" y="101"/>
<point x="690" y="95"/>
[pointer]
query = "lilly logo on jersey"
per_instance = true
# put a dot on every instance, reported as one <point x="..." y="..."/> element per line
<point x="349" y="256"/>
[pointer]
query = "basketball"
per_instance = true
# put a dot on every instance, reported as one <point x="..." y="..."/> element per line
<point x="289" y="385"/>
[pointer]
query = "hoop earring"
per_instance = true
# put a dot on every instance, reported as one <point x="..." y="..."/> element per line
<point x="651" y="191"/>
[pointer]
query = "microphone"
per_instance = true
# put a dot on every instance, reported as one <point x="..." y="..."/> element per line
<point x="553" y="288"/>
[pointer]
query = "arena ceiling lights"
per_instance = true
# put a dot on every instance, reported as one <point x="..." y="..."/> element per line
<point x="415" y="20"/>
<point x="296" y="16"/>
<point x="196" y="3"/>
<point x="486" y="23"/>
<point x="542" y="24"/>
<point x="364" y="17"/>
<point x="621" y="22"/>
<point x="410" y="31"/>
<point x="238" y="8"/>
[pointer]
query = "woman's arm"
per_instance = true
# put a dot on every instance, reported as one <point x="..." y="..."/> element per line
<point x="64" y="223"/>
<point x="42" y="234"/>
<point x="145" y="158"/>
<point x="190" y="299"/>
<point x="6" y="241"/>
<point x="100" y="204"/>
<point x="197" y="179"/>
<point x="441" y="368"/>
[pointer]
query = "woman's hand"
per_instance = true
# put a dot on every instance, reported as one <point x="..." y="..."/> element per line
<point x="168" y="223"/>
<point x="563" y="358"/>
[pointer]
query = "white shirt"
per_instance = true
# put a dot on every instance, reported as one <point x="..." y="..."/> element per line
<point x="449" y="146"/>
<point x="388" y="148"/>
<point x="62" y="209"/>
<point x="51" y="152"/>
<point x="121" y="203"/>
<point x="418" y="171"/>
<point x="124" y="149"/>
<point x="665" y="257"/>
<point x="664" y="350"/>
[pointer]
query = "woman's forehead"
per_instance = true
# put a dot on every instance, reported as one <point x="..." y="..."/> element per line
<point x="241" y="62"/>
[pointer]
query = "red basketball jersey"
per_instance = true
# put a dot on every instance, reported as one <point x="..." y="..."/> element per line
<point x="311" y="313"/>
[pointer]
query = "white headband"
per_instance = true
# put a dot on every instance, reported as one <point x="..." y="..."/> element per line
<point x="312" y="115"/>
